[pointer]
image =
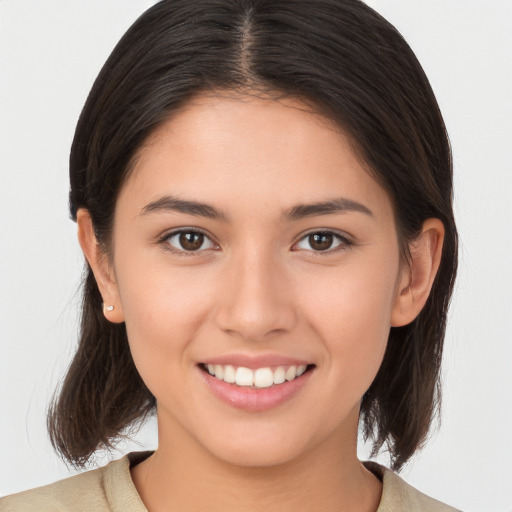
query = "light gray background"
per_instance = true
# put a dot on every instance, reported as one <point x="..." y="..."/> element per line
<point x="50" y="53"/>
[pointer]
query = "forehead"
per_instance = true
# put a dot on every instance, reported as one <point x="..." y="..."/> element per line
<point x="272" y="152"/>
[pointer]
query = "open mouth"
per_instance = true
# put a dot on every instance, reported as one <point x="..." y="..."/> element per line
<point x="259" y="378"/>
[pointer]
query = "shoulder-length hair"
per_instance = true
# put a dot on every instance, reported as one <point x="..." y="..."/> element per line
<point x="349" y="64"/>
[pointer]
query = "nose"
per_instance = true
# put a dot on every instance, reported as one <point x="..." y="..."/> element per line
<point x="255" y="301"/>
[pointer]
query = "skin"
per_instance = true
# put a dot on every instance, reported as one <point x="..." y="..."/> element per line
<point x="259" y="287"/>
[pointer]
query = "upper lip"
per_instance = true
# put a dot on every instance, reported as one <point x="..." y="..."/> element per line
<point x="254" y="362"/>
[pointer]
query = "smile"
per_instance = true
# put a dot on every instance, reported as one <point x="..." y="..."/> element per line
<point x="259" y="388"/>
<point x="258" y="378"/>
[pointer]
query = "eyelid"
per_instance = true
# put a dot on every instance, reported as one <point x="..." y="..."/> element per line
<point x="345" y="241"/>
<point x="163" y="240"/>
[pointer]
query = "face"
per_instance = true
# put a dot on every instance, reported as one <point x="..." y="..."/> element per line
<point x="250" y="245"/>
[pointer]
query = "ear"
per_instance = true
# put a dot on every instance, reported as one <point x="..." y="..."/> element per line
<point x="417" y="278"/>
<point x="101" y="267"/>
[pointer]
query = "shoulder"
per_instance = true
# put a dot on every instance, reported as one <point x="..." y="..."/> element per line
<point x="399" y="496"/>
<point x="84" y="491"/>
<point x="106" y="489"/>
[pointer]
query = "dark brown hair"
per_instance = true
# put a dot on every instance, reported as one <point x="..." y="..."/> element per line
<point x="353" y="67"/>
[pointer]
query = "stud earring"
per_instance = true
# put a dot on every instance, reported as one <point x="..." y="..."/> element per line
<point x="108" y="308"/>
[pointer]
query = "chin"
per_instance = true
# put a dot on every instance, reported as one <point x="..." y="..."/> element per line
<point x="266" y="444"/>
<point x="257" y="456"/>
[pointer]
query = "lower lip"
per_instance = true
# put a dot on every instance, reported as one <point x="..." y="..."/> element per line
<point x="254" y="399"/>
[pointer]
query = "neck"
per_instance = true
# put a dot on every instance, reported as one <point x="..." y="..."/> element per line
<point x="181" y="475"/>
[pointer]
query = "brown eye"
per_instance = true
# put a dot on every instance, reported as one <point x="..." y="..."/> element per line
<point x="323" y="241"/>
<point x="320" y="241"/>
<point x="189" y="241"/>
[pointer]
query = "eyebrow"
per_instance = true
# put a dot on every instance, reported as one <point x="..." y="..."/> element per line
<point x="173" y="204"/>
<point x="297" y="212"/>
<point x="336" y="205"/>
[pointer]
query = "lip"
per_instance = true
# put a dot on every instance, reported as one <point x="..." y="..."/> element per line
<point x="255" y="362"/>
<point x="254" y="399"/>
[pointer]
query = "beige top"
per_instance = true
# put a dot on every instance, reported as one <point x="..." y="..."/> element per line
<point x="111" y="489"/>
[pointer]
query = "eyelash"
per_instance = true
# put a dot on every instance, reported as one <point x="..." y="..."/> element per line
<point x="165" y="241"/>
<point x="344" y="242"/>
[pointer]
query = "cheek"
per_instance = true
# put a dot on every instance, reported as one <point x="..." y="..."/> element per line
<point x="351" y="313"/>
<point x="163" y="308"/>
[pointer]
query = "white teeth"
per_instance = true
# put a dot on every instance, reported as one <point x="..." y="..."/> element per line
<point x="291" y="373"/>
<point x="229" y="374"/>
<point x="244" y="377"/>
<point x="279" y="375"/>
<point x="260" y="378"/>
<point x="263" y="378"/>
<point x="219" y="371"/>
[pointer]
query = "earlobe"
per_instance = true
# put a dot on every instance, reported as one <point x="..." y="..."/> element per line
<point x="417" y="278"/>
<point x="103" y="272"/>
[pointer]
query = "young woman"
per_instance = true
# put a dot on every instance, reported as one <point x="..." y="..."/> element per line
<point x="263" y="193"/>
